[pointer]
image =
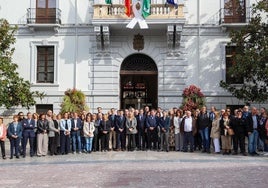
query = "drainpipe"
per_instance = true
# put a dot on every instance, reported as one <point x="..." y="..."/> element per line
<point x="76" y="47"/>
<point x="198" y="43"/>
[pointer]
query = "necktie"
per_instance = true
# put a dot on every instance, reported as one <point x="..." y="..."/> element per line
<point x="66" y="125"/>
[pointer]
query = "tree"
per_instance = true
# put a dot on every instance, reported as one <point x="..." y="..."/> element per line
<point x="14" y="90"/>
<point x="193" y="98"/>
<point x="73" y="101"/>
<point x="251" y="57"/>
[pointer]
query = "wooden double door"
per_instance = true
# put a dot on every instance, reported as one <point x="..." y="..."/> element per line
<point x="138" y="82"/>
<point x="46" y="11"/>
<point x="234" y="11"/>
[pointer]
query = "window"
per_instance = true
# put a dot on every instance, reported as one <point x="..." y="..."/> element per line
<point x="43" y="108"/>
<point x="45" y="64"/>
<point x="45" y="11"/>
<point x="230" y="51"/>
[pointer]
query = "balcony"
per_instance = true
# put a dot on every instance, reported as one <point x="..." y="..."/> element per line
<point x="43" y="18"/>
<point x="115" y="14"/>
<point x="231" y="17"/>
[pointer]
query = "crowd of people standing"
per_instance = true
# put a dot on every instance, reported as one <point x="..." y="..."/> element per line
<point x="137" y="129"/>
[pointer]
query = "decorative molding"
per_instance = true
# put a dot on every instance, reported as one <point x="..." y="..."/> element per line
<point x="138" y="42"/>
<point x="102" y="41"/>
<point x="174" y="33"/>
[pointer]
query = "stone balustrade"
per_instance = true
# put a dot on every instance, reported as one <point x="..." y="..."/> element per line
<point x="117" y="11"/>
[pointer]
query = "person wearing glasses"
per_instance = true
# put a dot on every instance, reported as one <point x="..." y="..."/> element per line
<point x="28" y="126"/>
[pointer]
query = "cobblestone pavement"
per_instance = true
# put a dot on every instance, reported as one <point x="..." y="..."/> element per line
<point x="136" y="169"/>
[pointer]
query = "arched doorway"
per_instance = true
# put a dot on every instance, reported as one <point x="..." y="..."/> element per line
<point x="138" y="82"/>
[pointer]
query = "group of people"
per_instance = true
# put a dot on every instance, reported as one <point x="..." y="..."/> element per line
<point x="137" y="129"/>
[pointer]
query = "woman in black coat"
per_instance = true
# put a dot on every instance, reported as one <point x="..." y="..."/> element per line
<point x="105" y="127"/>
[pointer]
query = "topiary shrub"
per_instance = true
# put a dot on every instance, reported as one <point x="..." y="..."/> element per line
<point x="73" y="101"/>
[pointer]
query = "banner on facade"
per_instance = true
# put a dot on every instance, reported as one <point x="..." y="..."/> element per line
<point x="140" y="9"/>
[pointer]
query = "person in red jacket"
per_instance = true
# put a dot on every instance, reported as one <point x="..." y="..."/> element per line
<point x="3" y="134"/>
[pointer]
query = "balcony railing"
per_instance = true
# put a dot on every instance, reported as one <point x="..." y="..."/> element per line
<point x="43" y="16"/>
<point x="117" y="11"/>
<point x="234" y="16"/>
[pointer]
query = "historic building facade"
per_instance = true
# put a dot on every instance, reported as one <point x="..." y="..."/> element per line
<point x="85" y="44"/>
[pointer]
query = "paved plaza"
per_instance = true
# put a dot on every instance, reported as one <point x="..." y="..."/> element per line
<point x="136" y="169"/>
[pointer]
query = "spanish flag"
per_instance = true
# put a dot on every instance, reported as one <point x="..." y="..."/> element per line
<point x="127" y="7"/>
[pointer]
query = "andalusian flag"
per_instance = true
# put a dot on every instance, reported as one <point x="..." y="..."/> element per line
<point x="146" y="8"/>
<point x="127" y="8"/>
<point x="108" y="2"/>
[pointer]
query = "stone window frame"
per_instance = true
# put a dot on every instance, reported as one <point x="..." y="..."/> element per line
<point x="33" y="67"/>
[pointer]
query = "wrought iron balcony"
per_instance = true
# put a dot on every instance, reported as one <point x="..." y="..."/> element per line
<point x="43" y="16"/>
<point x="117" y="11"/>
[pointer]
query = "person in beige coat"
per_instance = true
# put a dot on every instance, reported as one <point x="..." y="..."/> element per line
<point x="131" y="127"/>
<point x="215" y="132"/>
<point x="88" y="130"/>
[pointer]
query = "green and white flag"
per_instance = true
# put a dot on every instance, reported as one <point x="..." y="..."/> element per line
<point x="108" y="2"/>
<point x="146" y="8"/>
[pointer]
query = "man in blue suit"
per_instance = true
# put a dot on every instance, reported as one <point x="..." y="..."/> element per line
<point x="28" y="133"/>
<point x="141" y="126"/>
<point x="75" y="132"/>
<point x="120" y="128"/>
<point x="151" y="124"/>
<point x="14" y="134"/>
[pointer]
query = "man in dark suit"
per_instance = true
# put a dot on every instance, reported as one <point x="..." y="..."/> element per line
<point x="21" y="118"/>
<point x="76" y="126"/>
<point x="164" y="131"/>
<point x="112" y="134"/>
<point x="141" y="126"/>
<point x="151" y="124"/>
<point x="28" y="126"/>
<point x="14" y="134"/>
<point x="120" y="127"/>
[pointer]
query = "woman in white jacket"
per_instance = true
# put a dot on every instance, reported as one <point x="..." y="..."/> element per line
<point x="88" y="130"/>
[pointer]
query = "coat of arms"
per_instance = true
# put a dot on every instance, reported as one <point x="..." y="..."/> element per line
<point x="138" y="42"/>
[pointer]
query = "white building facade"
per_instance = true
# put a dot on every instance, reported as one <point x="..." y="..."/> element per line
<point x="85" y="44"/>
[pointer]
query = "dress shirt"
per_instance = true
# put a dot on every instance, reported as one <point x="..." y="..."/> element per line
<point x="255" y="123"/>
<point x="188" y="124"/>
